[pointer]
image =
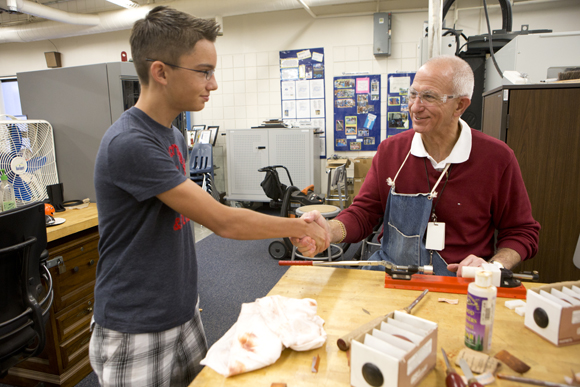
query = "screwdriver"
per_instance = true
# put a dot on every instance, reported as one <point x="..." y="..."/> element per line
<point x="471" y="381"/>
<point x="453" y="379"/>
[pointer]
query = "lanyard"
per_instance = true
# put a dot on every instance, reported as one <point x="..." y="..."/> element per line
<point x="447" y="171"/>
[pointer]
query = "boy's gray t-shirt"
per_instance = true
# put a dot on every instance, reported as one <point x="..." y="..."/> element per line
<point x="147" y="271"/>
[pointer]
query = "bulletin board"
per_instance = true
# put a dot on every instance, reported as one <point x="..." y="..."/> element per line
<point x="398" y="119"/>
<point x="302" y="90"/>
<point x="357" y="113"/>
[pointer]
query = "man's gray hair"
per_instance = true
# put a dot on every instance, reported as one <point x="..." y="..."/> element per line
<point x="461" y="73"/>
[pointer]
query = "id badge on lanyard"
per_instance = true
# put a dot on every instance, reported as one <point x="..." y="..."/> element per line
<point x="436" y="230"/>
<point x="435" y="236"/>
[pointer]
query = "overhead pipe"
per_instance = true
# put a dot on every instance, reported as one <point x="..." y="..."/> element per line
<point x="39" y="10"/>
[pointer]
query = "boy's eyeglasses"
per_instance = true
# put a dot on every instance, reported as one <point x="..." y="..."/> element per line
<point x="208" y="73"/>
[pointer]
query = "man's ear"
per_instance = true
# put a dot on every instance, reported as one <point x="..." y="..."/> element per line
<point x="157" y="72"/>
<point x="462" y="106"/>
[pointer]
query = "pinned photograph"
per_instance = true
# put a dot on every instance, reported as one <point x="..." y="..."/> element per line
<point x="404" y="108"/>
<point x="345" y="83"/>
<point x="362" y="109"/>
<point x="341" y="142"/>
<point x="350" y="120"/>
<point x="355" y="145"/>
<point x="394" y="101"/>
<point x="369" y="141"/>
<point x="397" y="120"/>
<point x="344" y="93"/>
<point x="350" y="131"/>
<point x="318" y="70"/>
<point x="362" y="98"/>
<point x="363" y="132"/>
<point x="339" y="125"/>
<point x="345" y="103"/>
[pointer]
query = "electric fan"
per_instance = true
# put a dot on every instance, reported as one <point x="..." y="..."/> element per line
<point x="28" y="158"/>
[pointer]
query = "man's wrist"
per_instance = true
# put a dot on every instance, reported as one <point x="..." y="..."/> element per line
<point x="337" y="227"/>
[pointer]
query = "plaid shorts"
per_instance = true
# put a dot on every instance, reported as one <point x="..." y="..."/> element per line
<point x="169" y="358"/>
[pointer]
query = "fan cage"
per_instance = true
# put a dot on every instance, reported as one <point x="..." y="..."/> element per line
<point x="32" y="141"/>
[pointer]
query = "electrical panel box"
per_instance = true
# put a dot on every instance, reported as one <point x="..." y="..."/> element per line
<point x="382" y="34"/>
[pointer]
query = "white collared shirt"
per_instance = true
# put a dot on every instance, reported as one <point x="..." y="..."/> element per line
<point x="459" y="154"/>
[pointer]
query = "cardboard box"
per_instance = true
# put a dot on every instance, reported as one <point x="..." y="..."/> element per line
<point x="398" y="362"/>
<point x="362" y="166"/>
<point x="335" y="163"/>
<point x="553" y="312"/>
<point x="358" y="182"/>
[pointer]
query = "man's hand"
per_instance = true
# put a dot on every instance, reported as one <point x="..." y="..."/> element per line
<point x="507" y="257"/>
<point x="471" y="260"/>
<point x="307" y="245"/>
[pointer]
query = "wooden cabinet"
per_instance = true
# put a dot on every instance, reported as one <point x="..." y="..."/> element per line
<point x="65" y="359"/>
<point x="541" y="123"/>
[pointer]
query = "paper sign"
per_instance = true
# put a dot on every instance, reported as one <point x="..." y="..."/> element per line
<point x="288" y="62"/>
<point x="317" y="56"/>
<point x="303" y="54"/>
<point x="362" y="85"/>
<point x="399" y="83"/>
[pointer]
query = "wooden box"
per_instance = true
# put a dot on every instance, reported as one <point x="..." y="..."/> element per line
<point x="553" y="312"/>
<point x="398" y="352"/>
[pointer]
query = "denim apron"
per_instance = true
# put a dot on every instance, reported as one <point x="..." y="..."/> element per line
<point x="404" y="227"/>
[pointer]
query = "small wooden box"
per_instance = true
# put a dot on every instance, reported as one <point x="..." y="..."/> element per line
<point x="553" y="312"/>
<point x="400" y="351"/>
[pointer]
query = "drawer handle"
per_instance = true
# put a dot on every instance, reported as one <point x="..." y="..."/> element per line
<point x="75" y="269"/>
<point x="91" y="262"/>
<point x="90" y="309"/>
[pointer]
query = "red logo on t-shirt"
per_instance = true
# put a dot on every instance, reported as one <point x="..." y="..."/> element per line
<point x="180" y="222"/>
<point x="175" y="149"/>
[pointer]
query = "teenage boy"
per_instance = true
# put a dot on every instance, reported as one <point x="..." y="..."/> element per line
<point x="148" y="330"/>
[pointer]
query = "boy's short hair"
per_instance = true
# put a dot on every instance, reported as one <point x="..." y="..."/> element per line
<point x="167" y="34"/>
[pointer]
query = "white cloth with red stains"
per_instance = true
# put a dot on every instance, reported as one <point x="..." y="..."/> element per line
<point x="263" y="329"/>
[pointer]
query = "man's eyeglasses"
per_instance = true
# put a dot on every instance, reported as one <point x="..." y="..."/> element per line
<point x="208" y="73"/>
<point x="428" y="97"/>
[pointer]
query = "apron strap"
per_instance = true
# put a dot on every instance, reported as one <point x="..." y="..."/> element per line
<point x="433" y="194"/>
<point x="390" y="181"/>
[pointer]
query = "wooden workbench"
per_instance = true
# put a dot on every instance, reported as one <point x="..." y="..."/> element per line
<point x="343" y="296"/>
<point x="76" y="220"/>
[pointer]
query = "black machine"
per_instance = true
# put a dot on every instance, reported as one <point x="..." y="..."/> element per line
<point x="285" y="197"/>
<point x="25" y="284"/>
<point x="477" y="49"/>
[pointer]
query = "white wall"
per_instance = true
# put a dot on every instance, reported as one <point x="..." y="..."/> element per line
<point x="248" y="73"/>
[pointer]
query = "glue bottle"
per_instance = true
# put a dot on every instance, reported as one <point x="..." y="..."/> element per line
<point x="8" y="200"/>
<point x="481" y="296"/>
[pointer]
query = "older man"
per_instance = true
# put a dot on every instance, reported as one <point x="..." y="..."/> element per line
<point x="443" y="188"/>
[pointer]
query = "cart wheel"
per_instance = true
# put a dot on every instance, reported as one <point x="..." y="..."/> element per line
<point x="278" y="250"/>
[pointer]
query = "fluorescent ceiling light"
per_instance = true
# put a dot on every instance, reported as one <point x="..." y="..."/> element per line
<point x="124" y="3"/>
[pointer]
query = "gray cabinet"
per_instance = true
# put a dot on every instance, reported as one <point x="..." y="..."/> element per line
<point x="80" y="103"/>
<point x="251" y="149"/>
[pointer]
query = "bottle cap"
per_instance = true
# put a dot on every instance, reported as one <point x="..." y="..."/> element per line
<point x="4" y="177"/>
<point x="483" y="279"/>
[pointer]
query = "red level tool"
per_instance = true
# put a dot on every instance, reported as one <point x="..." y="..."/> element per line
<point x="442" y="284"/>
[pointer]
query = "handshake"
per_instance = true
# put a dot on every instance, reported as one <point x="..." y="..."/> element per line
<point x="318" y="236"/>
